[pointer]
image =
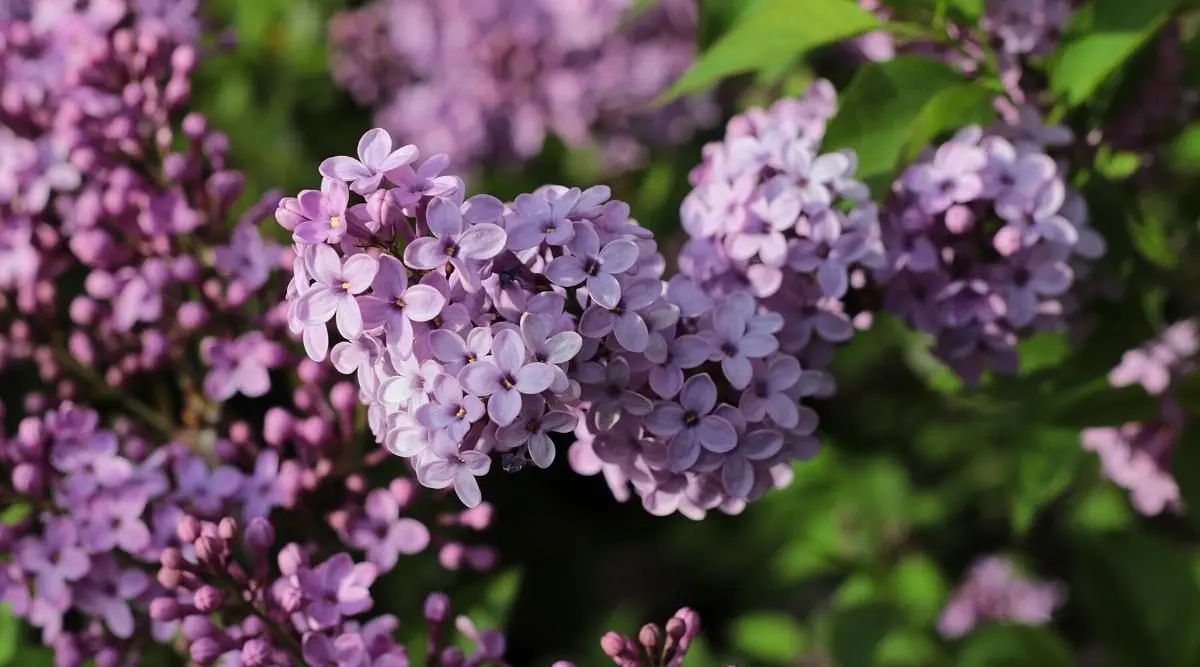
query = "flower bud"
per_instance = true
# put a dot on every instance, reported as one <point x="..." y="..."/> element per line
<point x="209" y="549"/>
<point x="189" y="529"/>
<point x="207" y="599"/>
<point x="256" y="653"/>
<point x="227" y="528"/>
<point x="164" y="609"/>
<point x="650" y="637"/>
<point x="205" y="651"/>
<point x="437" y="608"/>
<point x="260" y="535"/>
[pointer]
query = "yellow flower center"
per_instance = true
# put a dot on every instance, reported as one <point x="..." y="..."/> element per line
<point x="345" y="285"/>
<point x="335" y="222"/>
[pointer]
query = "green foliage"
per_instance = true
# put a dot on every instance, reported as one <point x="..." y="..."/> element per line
<point x="1118" y="29"/>
<point x="768" y="636"/>
<point x="1014" y="646"/>
<point x="10" y="635"/>
<point x="896" y="107"/>
<point x="770" y="32"/>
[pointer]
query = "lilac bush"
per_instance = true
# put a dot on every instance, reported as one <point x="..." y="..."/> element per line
<point x="234" y="442"/>
<point x="490" y="81"/>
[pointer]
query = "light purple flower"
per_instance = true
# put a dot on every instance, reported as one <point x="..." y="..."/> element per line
<point x="624" y="319"/>
<point x="455" y="353"/>
<point x="453" y="242"/>
<point x="506" y="377"/>
<point x="445" y="465"/>
<point x="689" y="425"/>
<point x="610" y="392"/>
<point x="248" y="258"/>
<point x="672" y="356"/>
<point x="395" y="305"/>
<point x="952" y="177"/>
<point x="768" y="394"/>
<point x="384" y="534"/>
<point x="830" y="251"/>
<point x="346" y="650"/>
<point x="375" y="157"/>
<point x="550" y="349"/>
<point x="451" y="410"/>
<point x="536" y="220"/>
<point x="240" y="365"/>
<point x="734" y="344"/>
<point x="334" y="589"/>
<point x="532" y="429"/>
<point x="336" y="283"/>
<point x="424" y="181"/>
<point x="597" y="266"/>
<point x="323" y="214"/>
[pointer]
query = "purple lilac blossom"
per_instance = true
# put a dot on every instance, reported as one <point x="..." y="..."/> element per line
<point x="984" y="241"/>
<point x="550" y="316"/>
<point x="1137" y="456"/>
<point x="489" y="80"/>
<point x="995" y="592"/>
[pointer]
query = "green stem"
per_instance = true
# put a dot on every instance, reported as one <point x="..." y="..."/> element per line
<point x="148" y="416"/>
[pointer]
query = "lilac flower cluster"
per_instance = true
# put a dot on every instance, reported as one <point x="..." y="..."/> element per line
<point x="475" y="327"/>
<point x="666" y="646"/>
<point x="490" y="79"/>
<point x="1018" y="33"/>
<point x="984" y="241"/>
<point x="1137" y="455"/>
<point x="995" y="592"/>
<point x="103" y="504"/>
<point x="771" y="215"/>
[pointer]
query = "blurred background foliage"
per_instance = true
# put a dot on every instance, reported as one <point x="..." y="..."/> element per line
<point x="852" y="564"/>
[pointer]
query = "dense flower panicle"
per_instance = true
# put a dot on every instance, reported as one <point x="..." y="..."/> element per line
<point x="984" y="242"/>
<point x="1137" y="455"/>
<point x="488" y="80"/>
<point x="995" y="592"/>
<point x="477" y="328"/>
<point x="104" y="505"/>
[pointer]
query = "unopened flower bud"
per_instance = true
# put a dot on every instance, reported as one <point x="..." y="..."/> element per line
<point x="437" y="608"/>
<point x="189" y="529"/>
<point x="207" y="599"/>
<point x="650" y="637"/>
<point x="205" y="651"/>
<point x="227" y="529"/>
<point x="260" y="535"/>
<point x="164" y="609"/>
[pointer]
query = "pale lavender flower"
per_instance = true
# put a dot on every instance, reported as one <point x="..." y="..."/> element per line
<point x="506" y="377"/>
<point x="734" y="344"/>
<point x="455" y="352"/>
<point x="336" y="282"/>
<point x="532" y="429"/>
<point x="451" y="410"/>
<point x="424" y="181"/>
<point x="322" y="214"/>
<point x="446" y="465"/>
<point x="536" y="220"/>
<point x="248" y="258"/>
<point x="624" y="319"/>
<point x="594" y="265"/>
<point x="394" y="304"/>
<point x="952" y="177"/>
<point x="375" y="158"/>
<point x="689" y="424"/>
<point x="453" y="243"/>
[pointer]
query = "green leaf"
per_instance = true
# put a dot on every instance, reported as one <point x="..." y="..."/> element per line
<point x="1149" y="233"/>
<point x="773" y="30"/>
<point x="1044" y="471"/>
<point x="492" y="611"/>
<point x="768" y="636"/>
<point x="15" y="513"/>
<point x="1103" y="405"/>
<point x="1119" y="29"/>
<point x="1138" y="589"/>
<point x="970" y="9"/>
<point x="10" y="635"/>
<point x="1014" y="646"/>
<point x="857" y="633"/>
<point x="917" y="586"/>
<point x="1183" y="155"/>
<point x="1185" y="468"/>
<point x="1043" y="350"/>
<point x="949" y="109"/>
<point x="1117" y="166"/>
<point x="878" y="109"/>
